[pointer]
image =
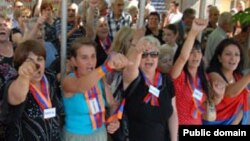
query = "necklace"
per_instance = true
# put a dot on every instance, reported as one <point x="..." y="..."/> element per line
<point x="231" y="81"/>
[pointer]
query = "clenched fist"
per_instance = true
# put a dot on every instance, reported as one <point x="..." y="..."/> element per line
<point x="199" y="25"/>
<point x="28" y="69"/>
<point x="117" y="61"/>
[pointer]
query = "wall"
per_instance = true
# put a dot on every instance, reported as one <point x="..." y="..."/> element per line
<point x="223" y="5"/>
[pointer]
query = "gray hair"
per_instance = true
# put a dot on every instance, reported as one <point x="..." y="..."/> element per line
<point x="165" y="50"/>
<point x="225" y="18"/>
<point x="151" y="39"/>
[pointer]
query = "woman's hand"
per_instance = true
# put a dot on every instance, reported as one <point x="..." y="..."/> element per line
<point x="118" y="61"/>
<point x="113" y="126"/>
<point x="199" y="25"/>
<point x="140" y="32"/>
<point x="27" y="70"/>
<point x="218" y="91"/>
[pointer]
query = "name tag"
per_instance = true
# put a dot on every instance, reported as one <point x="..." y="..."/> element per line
<point x="49" y="113"/>
<point x="197" y="94"/>
<point x="153" y="90"/>
<point x="94" y="106"/>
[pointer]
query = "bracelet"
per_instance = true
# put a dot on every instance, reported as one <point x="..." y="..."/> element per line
<point x="104" y="69"/>
<point x="107" y="67"/>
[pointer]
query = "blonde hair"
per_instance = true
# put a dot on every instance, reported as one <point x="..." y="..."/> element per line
<point x="6" y="18"/>
<point x="132" y="9"/>
<point x="165" y="50"/>
<point x="22" y="11"/>
<point x="121" y="40"/>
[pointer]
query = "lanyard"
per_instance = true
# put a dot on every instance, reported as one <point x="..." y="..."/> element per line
<point x="42" y="97"/>
<point x="95" y="105"/>
<point x="197" y="108"/>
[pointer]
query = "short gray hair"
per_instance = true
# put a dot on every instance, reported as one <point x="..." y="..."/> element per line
<point x="225" y="18"/>
<point x="151" y="39"/>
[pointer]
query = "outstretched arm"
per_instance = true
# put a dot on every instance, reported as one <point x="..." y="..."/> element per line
<point x="237" y="87"/>
<point x="134" y="55"/>
<point x="19" y="88"/>
<point x="73" y="85"/>
<point x="197" y="26"/>
<point x="37" y="8"/>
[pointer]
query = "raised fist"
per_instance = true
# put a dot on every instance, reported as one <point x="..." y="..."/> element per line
<point x="28" y="69"/>
<point x="142" y="45"/>
<point x="117" y="61"/>
<point x="199" y="25"/>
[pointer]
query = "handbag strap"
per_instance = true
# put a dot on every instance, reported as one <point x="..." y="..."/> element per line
<point x="130" y="89"/>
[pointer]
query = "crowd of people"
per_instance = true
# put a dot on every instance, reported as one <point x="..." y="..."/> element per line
<point x="161" y="75"/>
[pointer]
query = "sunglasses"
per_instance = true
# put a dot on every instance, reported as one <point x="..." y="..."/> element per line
<point x="152" y="54"/>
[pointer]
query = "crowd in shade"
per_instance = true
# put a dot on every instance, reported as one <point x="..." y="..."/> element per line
<point x="177" y="69"/>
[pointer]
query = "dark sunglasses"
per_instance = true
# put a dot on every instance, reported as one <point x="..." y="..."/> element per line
<point x="152" y="54"/>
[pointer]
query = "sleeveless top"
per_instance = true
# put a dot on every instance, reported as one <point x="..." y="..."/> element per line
<point x="77" y="113"/>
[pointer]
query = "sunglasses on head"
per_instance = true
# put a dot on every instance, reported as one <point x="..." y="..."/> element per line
<point x="152" y="54"/>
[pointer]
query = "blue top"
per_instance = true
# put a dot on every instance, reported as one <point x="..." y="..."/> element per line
<point x="51" y="53"/>
<point x="77" y="119"/>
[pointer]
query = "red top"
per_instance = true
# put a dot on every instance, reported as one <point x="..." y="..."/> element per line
<point x="185" y="101"/>
<point x="230" y="106"/>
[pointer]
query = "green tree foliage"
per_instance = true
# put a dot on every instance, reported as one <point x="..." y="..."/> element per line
<point x="242" y="17"/>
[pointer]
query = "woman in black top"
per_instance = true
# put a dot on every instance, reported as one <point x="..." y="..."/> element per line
<point x="102" y="40"/>
<point x="31" y="105"/>
<point x="151" y="106"/>
<point x="152" y="27"/>
<point x="7" y="70"/>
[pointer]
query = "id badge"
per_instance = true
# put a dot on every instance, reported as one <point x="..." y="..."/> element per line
<point x="197" y="94"/>
<point x="49" y="113"/>
<point x="153" y="90"/>
<point x="94" y="106"/>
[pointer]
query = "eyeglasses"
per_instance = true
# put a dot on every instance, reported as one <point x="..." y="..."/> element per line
<point x="152" y="54"/>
